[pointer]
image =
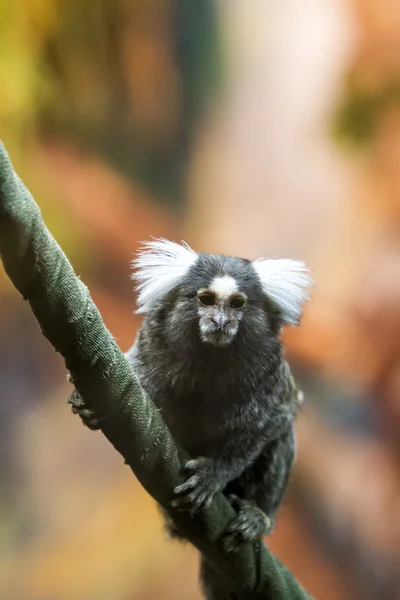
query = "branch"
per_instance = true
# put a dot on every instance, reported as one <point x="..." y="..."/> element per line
<point x="71" y="322"/>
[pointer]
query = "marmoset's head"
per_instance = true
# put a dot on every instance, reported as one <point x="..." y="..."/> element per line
<point x="219" y="297"/>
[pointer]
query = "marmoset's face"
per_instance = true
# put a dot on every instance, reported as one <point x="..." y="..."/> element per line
<point x="218" y="299"/>
<point x="220" y="308"/>
<point x="221" y="301"/>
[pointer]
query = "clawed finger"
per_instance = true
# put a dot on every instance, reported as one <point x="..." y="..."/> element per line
<point x="189" y="484"/>
<point x="231" y="542"/>
<point x="191" y="503"/>
<point x="191" y="465"/>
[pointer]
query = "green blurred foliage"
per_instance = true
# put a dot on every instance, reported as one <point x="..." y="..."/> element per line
<point x="128" y="80"/>
<point x="22" y="29"/>
<point x="362" y="109"/>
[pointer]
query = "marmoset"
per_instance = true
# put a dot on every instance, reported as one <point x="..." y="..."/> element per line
<point x="209" y="356"/>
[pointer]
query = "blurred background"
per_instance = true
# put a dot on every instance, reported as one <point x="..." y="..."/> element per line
<point x="249" y="128"/>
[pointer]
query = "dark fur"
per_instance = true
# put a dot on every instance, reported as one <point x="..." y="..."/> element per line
<point x="233" y="407"/>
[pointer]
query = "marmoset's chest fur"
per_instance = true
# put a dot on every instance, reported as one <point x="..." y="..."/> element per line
<point x="213" y="397"/>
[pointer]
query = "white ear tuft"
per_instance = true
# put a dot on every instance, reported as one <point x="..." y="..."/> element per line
<point x="286" y="282"/>
<point x="159" y="267"/>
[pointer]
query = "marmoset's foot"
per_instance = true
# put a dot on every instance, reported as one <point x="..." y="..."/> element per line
<point x="86" y="414"/>
<point x="249" y="525"/>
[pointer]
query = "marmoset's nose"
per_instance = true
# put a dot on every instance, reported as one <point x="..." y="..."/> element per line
<point x="220" y="320"/>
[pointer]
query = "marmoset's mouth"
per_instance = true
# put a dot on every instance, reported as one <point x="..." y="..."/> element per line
<point x="217" y="337"/>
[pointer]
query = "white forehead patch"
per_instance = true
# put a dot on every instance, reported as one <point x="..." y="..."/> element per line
<point x="160" y="266"/>
<point x="224" y="286"/>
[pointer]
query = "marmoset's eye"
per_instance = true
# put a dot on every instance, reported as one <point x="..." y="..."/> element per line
<point x="207" y="298"/>
<point x="237" y="302"/>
